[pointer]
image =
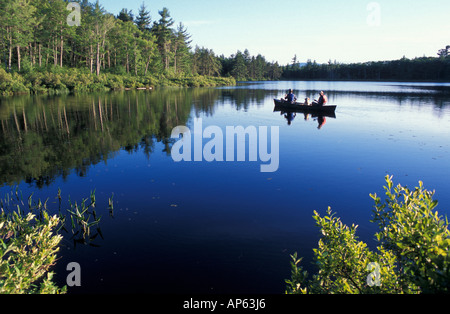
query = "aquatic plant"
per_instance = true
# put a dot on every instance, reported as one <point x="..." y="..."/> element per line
<point x="30" y="239"/>
<point x="111" y="206"/>
<point x="28" y="249"/>
<point x="80" y="217"/>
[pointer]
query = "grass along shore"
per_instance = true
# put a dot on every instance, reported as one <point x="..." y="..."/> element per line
<point x="73" y="80"/>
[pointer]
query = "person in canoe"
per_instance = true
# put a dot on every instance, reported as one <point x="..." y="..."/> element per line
<point x="290" y="97"/>
<point x="323" y="100"/>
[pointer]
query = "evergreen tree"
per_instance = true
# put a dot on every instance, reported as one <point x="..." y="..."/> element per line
<point x="164" y="36"/>
<point x="205" y="62"/>
<point x="103" y="23"/>
<point x="19" y="22"/>
<point x="239" y="70"/>
<point x="443" y="53"/>
<point x="148" y="50"/>
<point x="274" y="72"/>
<point x="128" y="33"/>
<point x="126" y="15"/>
<point x="6" y="25"/>
<point x="143" y="20"/>
<point x="182" y="55"/>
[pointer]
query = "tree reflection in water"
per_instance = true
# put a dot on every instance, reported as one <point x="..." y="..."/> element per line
<point x="44" y="137"/>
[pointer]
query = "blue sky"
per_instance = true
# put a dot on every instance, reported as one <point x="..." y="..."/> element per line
<point x="345" y="31"/>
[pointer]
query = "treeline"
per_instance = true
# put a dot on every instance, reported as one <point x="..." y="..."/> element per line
<point x="418" y="69"/>
<point x="45" y="36"/>
<point x="57" y="45"/>
<point x="45" y="49"/>
<point x="244" y="67"/>
<point x="37" y="34"/>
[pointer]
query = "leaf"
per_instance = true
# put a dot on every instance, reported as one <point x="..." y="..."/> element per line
<point x="100" y="232"/>
<point x="45" y="216"/>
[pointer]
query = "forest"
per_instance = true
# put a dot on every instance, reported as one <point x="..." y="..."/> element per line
<point x="56" y="46"/>
<point x="417" y="69"/>
<point x="44" y="47"/>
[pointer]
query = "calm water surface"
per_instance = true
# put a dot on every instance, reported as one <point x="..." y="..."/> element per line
<point x="219" y="227"/>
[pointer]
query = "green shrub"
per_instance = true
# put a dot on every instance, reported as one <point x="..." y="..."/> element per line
<point x="114" y="82"/>
<point x="30" y="239"/>
<point x="11" y="84"/>
<point x="57" y="80"/>
<point x="28" y="248"/>
<point x="412" y="256"/>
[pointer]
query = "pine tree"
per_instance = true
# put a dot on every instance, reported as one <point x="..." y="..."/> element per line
<point x="5" y="33"/>
<point x="143" y="20"/>
<point x="239" y="70"/>
<point x="19" y="21"/>
<point x="148" y="49"/>
<point x="443" y="53"/>
<point x="181" y="49"/>
<point x="53" y="31"/>
<point x="164" y="36"/>
<point x="126" y="15"/>
<point x="205" y="62"/>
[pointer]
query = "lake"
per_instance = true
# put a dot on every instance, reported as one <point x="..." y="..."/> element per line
<point x="221" y="226"/>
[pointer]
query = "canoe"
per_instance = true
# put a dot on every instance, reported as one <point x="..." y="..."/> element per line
<point x="298" y="107"/>
<point x="313" y="114"/>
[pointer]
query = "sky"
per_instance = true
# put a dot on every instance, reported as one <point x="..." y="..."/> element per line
<point x="345" y="31"/>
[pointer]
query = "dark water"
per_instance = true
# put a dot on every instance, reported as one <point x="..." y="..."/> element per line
<point x="219" y="227"/>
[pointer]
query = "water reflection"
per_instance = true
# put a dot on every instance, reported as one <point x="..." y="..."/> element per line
<point x="438" y="97"/>
<point x="290" y="116"/>
<point x="44" y="138"/>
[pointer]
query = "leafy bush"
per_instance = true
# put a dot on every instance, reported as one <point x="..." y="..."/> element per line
<point x="28" y="248"/>
<point x="57" y="80"/>
<point x="412" y="256"/>
<point x="30" y="239"/>
<point x="114" y="82"/>
<point x="11" y="84"/>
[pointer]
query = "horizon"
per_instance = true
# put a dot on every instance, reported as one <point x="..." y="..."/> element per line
<point x="354" y="32"/>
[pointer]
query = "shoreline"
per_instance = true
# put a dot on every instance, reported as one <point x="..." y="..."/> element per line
<point x="77" y="81"/>
<point x="74" y="81"/>
<point x="365" y="80"/>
